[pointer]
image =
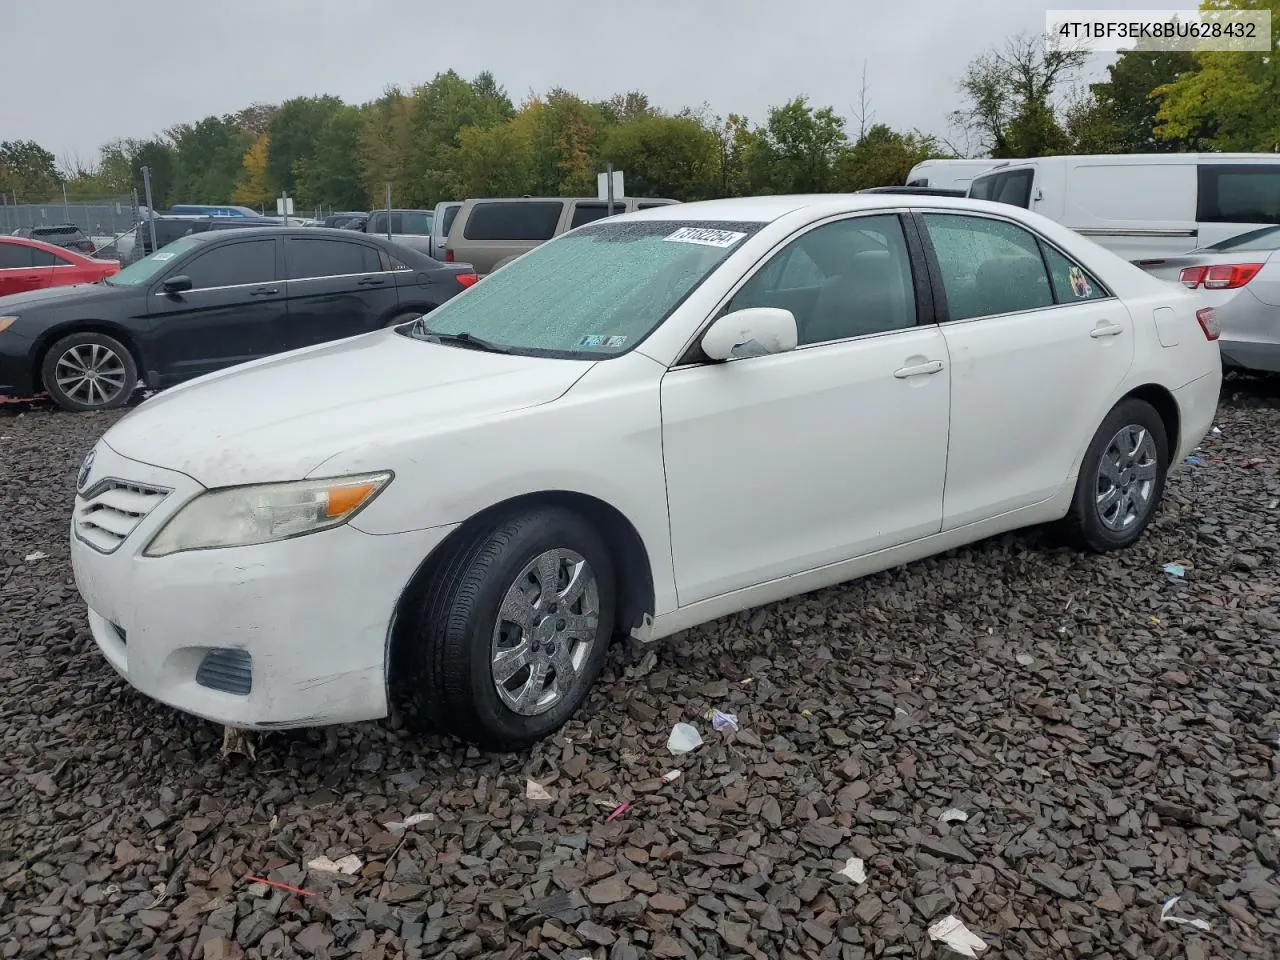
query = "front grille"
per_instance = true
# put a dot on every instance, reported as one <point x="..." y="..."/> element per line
<point x="228" y="670"/>
<point x="112" y="509"/>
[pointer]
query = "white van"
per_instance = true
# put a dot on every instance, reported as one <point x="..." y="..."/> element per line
<point x="1144" y="207"/>
<point x="947" y="174"/>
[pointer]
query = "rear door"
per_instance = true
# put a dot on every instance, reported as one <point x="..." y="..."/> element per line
<point x="18" y="270"/>
<point x="335" y="289"/>
<point x="234" y="312"/>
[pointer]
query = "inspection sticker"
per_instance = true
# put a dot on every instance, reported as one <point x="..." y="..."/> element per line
<point x="705" y="237"/>
<point x="614" y="341"/>
<point x="162" y="255"/>
<point x="594" y="340"/>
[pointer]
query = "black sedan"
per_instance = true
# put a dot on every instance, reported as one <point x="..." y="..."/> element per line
<point x="210" y="300"/>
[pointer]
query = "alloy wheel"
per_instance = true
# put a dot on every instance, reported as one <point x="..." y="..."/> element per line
<point x="90" y="373"/>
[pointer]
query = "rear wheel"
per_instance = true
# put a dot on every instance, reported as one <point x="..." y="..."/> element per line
<point x="513" y="631"/>
<point x="1121" y="479"/>
<point x="89" y="371"/>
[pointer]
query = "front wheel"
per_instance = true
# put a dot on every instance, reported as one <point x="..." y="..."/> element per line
<point x="514" y="630"/>
<point x="1121" y="479"/>
<point x="89" y="371"/>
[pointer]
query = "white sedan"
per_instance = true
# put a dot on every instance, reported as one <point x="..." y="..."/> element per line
<point x="650" y="422"/>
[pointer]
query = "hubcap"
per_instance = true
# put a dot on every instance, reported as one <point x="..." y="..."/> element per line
<point x="1126" y="478"/>
<point x="90" y="374"/>
<point x="546" y="627"/>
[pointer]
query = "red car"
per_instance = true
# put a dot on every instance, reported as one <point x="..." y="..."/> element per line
<point x="34" y="265"/>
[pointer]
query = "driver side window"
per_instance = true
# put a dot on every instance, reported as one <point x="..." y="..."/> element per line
<point x="850" y="278"/>
<point x="233" y="264"/>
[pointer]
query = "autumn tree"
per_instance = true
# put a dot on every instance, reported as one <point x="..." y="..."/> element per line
<point x="386" y="141"/>
<point x="254" y="188"/>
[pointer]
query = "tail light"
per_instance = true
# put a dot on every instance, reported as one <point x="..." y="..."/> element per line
<point x="467" y="279"/>
<point x="1208" y="321"/>
<point x="448" y="254"/>
<point x="1221" y="277"/>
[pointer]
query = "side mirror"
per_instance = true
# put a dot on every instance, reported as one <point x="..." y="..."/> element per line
<point x="177" y="284"/>
<point x="753" y="332"/>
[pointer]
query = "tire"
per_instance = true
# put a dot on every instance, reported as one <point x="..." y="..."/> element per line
<point x="1140" y="478"/>
<point x="113" y="386"/>
<point x="457" y="631"/>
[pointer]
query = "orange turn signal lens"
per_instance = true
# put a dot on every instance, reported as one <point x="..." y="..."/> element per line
<point x="6" y="323"/>
<point x="342" y="500"/>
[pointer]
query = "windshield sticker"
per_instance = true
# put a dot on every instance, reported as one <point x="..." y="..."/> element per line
<point x="1079" y="282"/>
<point x="614" y="341"/>
<point x="592" y="341"/>
<point x="705" y="237"/>
<point x="162" y="256"/>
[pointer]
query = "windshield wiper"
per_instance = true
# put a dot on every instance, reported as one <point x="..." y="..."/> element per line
<point x="463" y="339"/>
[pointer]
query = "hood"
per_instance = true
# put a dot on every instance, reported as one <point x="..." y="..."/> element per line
<point x="279" y="418"/>
<point x="17" y="303"/>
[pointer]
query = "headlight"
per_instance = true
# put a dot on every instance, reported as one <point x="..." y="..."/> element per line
<point x="6" y="323"/>
<point x="243" y="516"/>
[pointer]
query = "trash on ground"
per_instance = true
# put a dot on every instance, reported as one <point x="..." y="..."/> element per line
<point x="950" y="932"/>
<point x="1166" y="917"/>
<point x="398" y="827"/>
<point x="38" y="555"/>
<point x="1194" y="461"/>
<point x="1025" y="659"/>
<point x="855" y="870"/>
<point x="350" y="864"/>
<point x="671" y="776"/>
<point x="1216" y="431"/>
<point x="723" y="721"/>
<point x="1175" y="569"/>
<point x="235" y="740"/>
<point x="1273" y="504"/>
<point x="533" y="790"/>
<point x="953" y="815"/>
<point x="683" y="739"/>
<point x="618" y="811"/>
<point x="277" y="884"/>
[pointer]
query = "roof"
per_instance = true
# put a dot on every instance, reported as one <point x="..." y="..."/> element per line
<point x="768" y="209"/>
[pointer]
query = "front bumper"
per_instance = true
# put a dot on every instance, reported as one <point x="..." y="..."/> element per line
<point x="15" y="366"/>
<point x="303" y="622"/>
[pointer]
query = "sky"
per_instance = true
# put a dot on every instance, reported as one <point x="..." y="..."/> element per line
<point x="131" y="68"/>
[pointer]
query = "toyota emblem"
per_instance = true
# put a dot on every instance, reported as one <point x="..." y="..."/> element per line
<point x="86" y="467"/>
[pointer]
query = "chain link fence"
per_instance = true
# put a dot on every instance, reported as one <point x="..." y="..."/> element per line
<point x="109" y="221"/>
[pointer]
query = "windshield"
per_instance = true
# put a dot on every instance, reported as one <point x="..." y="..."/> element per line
<point x="148" y="268"/>
<point x="595" y="292"/>
<point x="1267" y="238"/>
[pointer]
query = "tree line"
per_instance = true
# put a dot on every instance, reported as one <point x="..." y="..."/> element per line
<point x="453" y="138"/>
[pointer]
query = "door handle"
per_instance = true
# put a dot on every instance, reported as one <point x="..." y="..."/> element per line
<point x="263" y="292"/>
<point x="918" y="369"/>
<point x="1106" y="329"/>
<point x="372" y="282"/>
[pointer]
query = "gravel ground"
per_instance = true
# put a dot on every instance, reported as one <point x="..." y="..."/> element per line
<point x="1109" y="730"/>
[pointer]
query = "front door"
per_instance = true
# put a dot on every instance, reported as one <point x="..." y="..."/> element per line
<point x="336" y="289"/>
<point x="232" y="313"/>
<point x="780" y="464"/>
<point x="1035" y="355"/>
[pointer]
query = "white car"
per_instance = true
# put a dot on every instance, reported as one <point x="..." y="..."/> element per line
<point x="647" y="423"/>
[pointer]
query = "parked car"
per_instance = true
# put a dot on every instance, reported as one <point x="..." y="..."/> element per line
<point x="34" y="265"/>
<point x="169" y="229"/>
<point x="211" y="210"/>
<point x="644" y="424"/>
<point x="341" y="219"/>
<point x="1144" y="206"/>
<point x="409" y="228"/>
<point x="1240" y="279"/>
<point x="65" y="235"/>
<point x="210" y="300"/>
<point x="948" y="174"/>
<point x="916" y="191"/>
<point x="491" y="233"/>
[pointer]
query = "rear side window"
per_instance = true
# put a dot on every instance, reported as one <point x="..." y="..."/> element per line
<point x="233" y="264"/>
<point x="378" y="223"/>
<point x="535" y="220"/>
<point x="15" y="256"/>
<point x="43" y="258"/>
<point x="1013" y="188"/>
<point x="988" y="266"/>
<point x="1238" y="193"/>
<point x="1071" y="282"/>
<point x="450" y="214"/>
<point x="329" y="258"/>
<point x="590" y="212"/>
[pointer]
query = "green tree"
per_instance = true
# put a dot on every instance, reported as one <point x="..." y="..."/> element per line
<point x="28" y="170"/>
<point x="662" y="156"/>
<point x="294" y="131"/>
<point x="566" y="137"/>
<point x="160" y="159"/>
<point x="439" y="111"/>
<point x="497" y="161"/>
<point x="884" y="157"/>
<point x="330" y="177"/>
<point x="208" y="158"/>
<point x="798" y="150"/>
<point x="1011" y="97"/>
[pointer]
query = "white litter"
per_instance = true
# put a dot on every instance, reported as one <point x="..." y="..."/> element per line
<point x="398" y="827"/>
<point x="38" y="555"/>
<point x="724" y="721"/>
<point x="350" y="864"/>
<point x="671" y="776"/>
<point x="1165" y="916"/>
<point x="533" y="790"/>
<point x="1025" y="659"/>
<point x="953" y="815"/>
<point x="683" y="739"/>
<point x="855" y="870"/>
<point x="952" y="933"/>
